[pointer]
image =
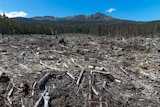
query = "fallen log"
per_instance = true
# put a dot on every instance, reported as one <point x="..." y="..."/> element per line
<point x="46" y="98"/>
<point x="43" y="81"/>
<point x="80" y="76"/>
<point x="37" y="104"/>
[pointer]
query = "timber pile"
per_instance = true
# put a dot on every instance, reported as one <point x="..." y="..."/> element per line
<point x="79" y="70"/>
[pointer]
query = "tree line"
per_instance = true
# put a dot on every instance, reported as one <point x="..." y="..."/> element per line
<point x="10" y="26"/>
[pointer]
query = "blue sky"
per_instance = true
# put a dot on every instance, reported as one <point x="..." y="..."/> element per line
<point x="139" y="10"/>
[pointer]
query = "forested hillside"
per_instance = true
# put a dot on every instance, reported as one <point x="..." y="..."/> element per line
<point x="111" y="27"/>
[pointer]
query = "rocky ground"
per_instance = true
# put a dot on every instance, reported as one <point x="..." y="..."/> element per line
<point x="79" y="70"/>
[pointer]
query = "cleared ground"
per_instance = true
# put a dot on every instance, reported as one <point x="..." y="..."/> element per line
<point x="83" y="70"/>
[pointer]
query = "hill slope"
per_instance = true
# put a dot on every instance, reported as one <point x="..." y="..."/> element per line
<point x="96" y="24"/>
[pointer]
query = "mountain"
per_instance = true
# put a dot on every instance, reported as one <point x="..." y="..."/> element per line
<point x="93" y="17"/>
<point x="51" y="18"/>
<point x="96" y="24"/>
<point x="77" y="20"/>
<point x="100" y="17"/>
<point x="81" y="20"/>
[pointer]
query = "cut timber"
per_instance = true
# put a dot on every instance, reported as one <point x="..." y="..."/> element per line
<point x="43" y="81"/>
<point x="94" y="90"/>
<point x="70" y="75"/>
<point x="80" y="76"/>
<point x="124" y="71"/>
<point x="90" y="91"/>
<point x="37" y="104"/>
<point x="76" y="63"/>
<point x="46" y="98"/>
<point x="9" y="95"/>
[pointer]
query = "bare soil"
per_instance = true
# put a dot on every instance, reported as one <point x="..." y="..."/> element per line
<point x="74" y="70"/>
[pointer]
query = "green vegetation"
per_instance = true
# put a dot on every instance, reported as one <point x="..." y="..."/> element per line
<point x="112" y="28"/>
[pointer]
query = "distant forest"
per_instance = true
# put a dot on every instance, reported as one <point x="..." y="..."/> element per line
<point x="124" y="28"/>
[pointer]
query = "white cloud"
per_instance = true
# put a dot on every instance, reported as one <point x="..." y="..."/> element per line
<point x="110" y="10"/>
<point x="14" y="14"/>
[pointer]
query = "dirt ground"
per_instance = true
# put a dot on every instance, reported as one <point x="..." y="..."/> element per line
<point x="78" y="70"/>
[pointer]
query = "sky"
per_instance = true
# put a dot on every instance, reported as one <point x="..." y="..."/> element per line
<point x="137" y="10"/>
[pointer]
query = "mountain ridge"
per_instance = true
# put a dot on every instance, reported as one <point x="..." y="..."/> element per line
<point x="81" y="20"/>
<point x="97" y="17"/>
<point x="93" y="17"/>
<point x="96" y="24"/>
